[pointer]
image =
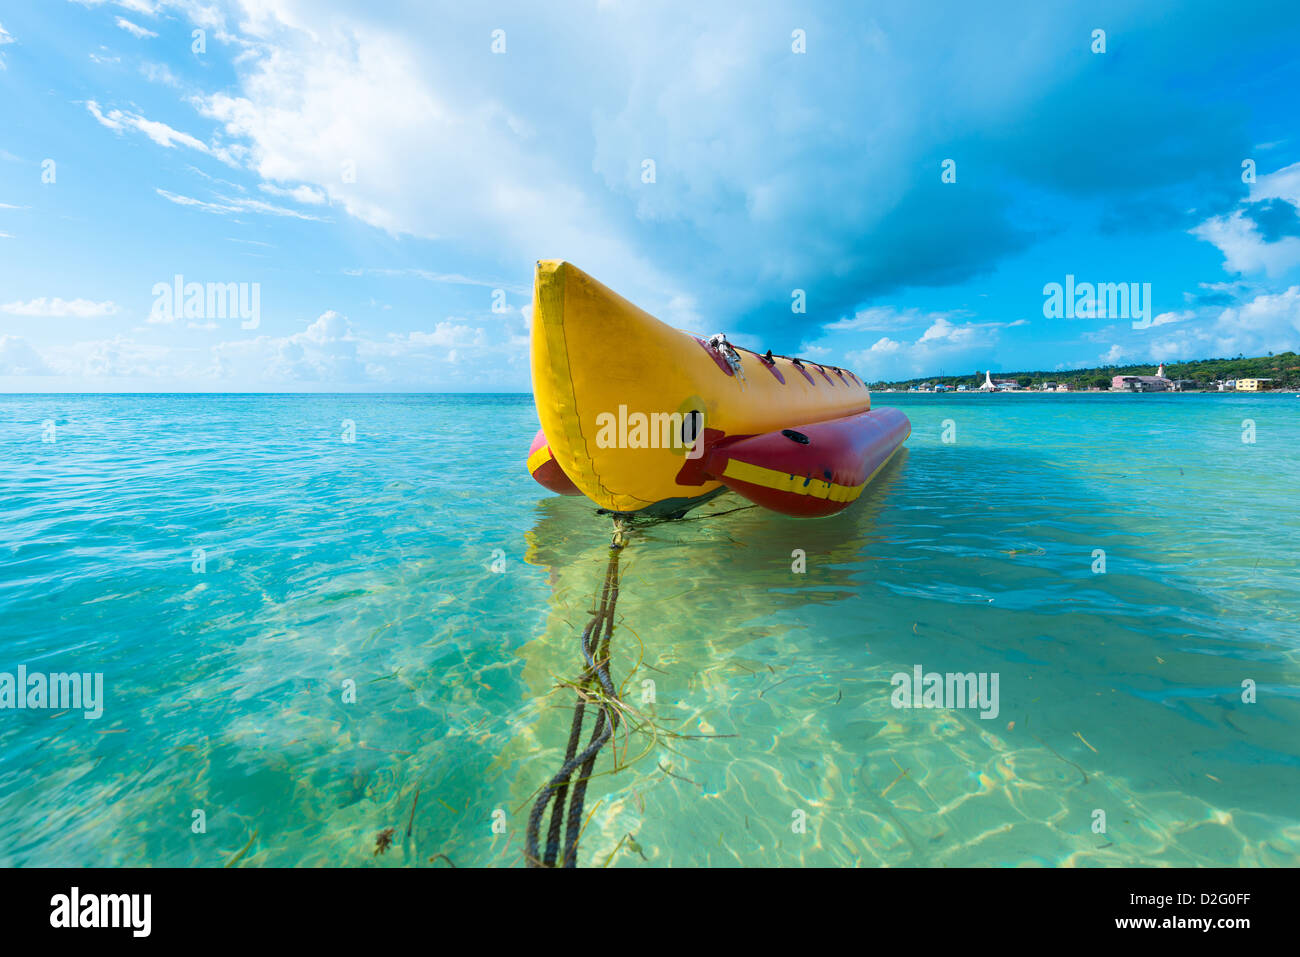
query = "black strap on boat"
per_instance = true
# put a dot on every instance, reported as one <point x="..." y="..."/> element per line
<point x="595" y="651"/>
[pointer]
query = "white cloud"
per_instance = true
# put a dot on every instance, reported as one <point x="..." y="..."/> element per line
<point x="887" y="319"/>
<point x="945" y="332"/>
<point x="330" y="351"/>
<point x="5" y="37"/>
<point x="162" y="134"/>
<point x="326" y="351"/>
<point x="1269" y="322"/>
<point x="17" y="357"/>
<point x="148" y="8"/>
<point x="1232" y="289"/>
<point x="441" y="149"/>
<point x="228" y="205"/>
<point x="920" y="342"/>
<point x="1280" y="184"/>
<point x="97" y="359"/>
<point x="448" y="334"/>
<point x="439" y="277"/>
<point x="1245" y="249"/>
<point x="943" y="343"/>
<point x="123" y="358"/>
<point x="301" y="194"/>
<point x="134" y="29"/>
<point x="1239" y="239"/>
<point x="1114" y="355"/>
<point x="160" y="73"/>
<point x="683" y="312"/>
<point x="60" y="308"/>
<point x="433" y="157"/>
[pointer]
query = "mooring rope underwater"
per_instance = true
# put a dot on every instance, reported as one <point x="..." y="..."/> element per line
<point x="595" y="651"/>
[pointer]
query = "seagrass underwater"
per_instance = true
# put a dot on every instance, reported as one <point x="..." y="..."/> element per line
<point x="57" y="691"/>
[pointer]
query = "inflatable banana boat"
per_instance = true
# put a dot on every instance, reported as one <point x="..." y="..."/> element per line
<point x="643" y="418"/>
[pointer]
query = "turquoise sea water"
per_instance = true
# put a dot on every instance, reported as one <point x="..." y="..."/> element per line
<point x="373" y="562"/>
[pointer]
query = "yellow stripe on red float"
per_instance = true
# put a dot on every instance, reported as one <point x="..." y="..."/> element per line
<point x="539" y="458"/>
<point x="799" y="484"/>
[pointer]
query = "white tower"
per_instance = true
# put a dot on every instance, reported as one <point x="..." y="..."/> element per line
<point x="1161" y="371"/>
<point x="988" y="380"/>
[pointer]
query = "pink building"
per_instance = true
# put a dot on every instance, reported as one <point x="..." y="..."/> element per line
<point x="1142" y="383"/>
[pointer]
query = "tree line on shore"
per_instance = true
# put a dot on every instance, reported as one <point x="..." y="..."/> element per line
<point x="1283" y="369"/>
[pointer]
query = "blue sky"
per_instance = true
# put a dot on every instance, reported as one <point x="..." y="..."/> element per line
<point x="385" y="180"/>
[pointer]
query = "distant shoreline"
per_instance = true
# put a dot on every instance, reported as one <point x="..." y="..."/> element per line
<point x="1286" y="392"/>
<point x="1281" y="369"/>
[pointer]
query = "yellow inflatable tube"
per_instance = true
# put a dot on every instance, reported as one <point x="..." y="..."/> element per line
<point x="622" y="396"/>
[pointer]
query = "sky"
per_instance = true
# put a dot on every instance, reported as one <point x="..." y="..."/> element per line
<point x="892" y="187"/>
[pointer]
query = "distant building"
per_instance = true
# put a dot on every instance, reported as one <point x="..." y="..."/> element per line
<point x="1142" y="383"/>
<point x="1139" y="383"/>
<point x="1253" y="385"/>
<point x="998" y="385"/>
<point x="1063" y="387"/>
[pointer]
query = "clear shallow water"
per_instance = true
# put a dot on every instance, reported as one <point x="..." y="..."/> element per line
<point x="372" y="561"/>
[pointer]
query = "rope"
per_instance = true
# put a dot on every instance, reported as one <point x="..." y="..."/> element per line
<point x="595" y="651"/>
